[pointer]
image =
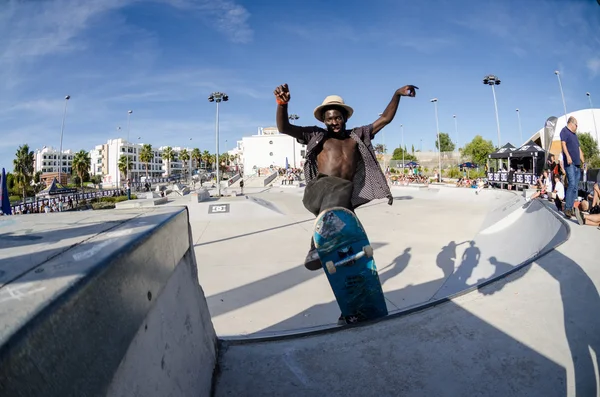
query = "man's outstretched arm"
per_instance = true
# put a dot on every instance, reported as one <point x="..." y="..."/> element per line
<point x="390" y="111"/>
<point x="282" y="96"/>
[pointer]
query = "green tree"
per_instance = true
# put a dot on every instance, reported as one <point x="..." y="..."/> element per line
<point x="168" y="155"/>
<point x="379" y="148"/>
<point x="184" y="155"/>
<point x="23" y="164"/>
<point x="146" y="156"/>
<point x="447" y="144"/>
<point x="197" y="157"/>
<point x="588" y="145"/>
<point x="413" y="149"/>
<point x="478" y="150"/>
<point x="397" y="155"/>
<point x="207" y="159"/>
<point x="81" y="164"/>
<point x="123" y="164"/>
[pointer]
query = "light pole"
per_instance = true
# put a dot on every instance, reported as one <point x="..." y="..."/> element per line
<point x="62" y="128"/>
<point x="593" y="116"/>
<point x="292" y="118"/>
<point x="456" y="132"/>
<point x="218" y="97"/>
<point x="557" y="73"/>
<point x="128" y="116"/>
<point x="520" y="129"/>
<point x="492" y="80"/>
<point x="402" y="132"/>
<point x="437" y="126"/>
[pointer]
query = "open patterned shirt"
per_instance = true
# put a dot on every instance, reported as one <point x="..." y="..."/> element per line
<point x="369" y="180"/>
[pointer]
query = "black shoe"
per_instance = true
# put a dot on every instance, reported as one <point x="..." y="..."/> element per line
<point x="312" y="261"/>
<point x="568" y="214"/>
<point x="341" y="320"/>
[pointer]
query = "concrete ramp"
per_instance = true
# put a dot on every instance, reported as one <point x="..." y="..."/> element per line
<point x="517" y="232"/>
<point x="103" y="303"/>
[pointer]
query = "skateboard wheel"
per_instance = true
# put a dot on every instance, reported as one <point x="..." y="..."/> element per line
<point x="368" y="250"/>
<point x="330" y="267"/>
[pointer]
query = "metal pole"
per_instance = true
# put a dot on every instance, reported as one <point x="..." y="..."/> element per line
<point x="217" y="156"/>
<point x="437" y="124"/>
<point x="456" y="133"/>
<point x="593" y="116"/>
<point x="497" y="119"/>
<point x="557" y="73"/>
<point x="128" y="114"/>
<point x="62" y="128"/>
<point x="520" y="129"/>
<point x="402" y="131"/>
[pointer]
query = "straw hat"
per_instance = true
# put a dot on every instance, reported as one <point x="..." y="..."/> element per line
<point x="332" y="100"/>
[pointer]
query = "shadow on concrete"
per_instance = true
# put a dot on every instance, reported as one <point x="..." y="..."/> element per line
<point x="255" y="232"/>
<point x="581" y="306"/>
<point x="396" y="267"/>
<point x="443" y="352"/>
<point x="248" y="294"/>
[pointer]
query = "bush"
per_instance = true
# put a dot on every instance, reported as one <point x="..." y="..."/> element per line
<point x="103" y="206"/>
<point x="453" y="172"/>
<point x="14" y="199"/>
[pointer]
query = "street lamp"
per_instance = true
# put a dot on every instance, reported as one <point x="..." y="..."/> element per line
<point x="62" y="128"/>
<point x="593" y="116"/>
<point x="292" y="118"/>
<point x="437" y="125"/>
<point x="456" y="132"/>
<point x="492" y="80"/>
<point x="557" y="73"/>
<point x="218" y="97"/>
<point x="520" y="129"/>
<point x="128" y="116"/>
<point x="402" y="133"/>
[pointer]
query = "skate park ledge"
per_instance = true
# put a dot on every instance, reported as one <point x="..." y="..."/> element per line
<point x="119" y="312"/>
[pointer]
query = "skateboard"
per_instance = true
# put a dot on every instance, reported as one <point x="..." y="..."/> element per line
<point x="347" y="259"/>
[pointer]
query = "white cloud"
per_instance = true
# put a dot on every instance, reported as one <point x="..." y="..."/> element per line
<point x="593" y="65"/>
<point x="31" y="29"/>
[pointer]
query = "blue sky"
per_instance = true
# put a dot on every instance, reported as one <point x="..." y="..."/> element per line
<point x="162" y="59"/>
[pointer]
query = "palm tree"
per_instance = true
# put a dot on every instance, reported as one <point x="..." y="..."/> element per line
<point x="81" y="164"/>
<point x="197" y="157"/>
<point x="123" y="163"/>
<point x="184" y="156"/>
<point x="146" y="155"/>
<point x="207" y="158"/>
<point x="23" y="167"/>
<point x="168" y="155"/>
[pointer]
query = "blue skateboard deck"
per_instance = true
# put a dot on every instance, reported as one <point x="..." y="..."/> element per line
<point x="347" y="258"/>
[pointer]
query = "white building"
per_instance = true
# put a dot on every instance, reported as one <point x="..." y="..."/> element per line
<point x="105" y="162"/>
<point x="48" y="159"/>
<point x="270" y="148"/>
<point x="588" y="120"/>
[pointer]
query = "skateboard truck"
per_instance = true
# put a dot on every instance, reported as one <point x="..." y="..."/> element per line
<point x="366" y="251"/>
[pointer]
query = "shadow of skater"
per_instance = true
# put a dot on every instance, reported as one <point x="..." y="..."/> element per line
<point x="469" y="260"/>
<point x="397" y="266"/>
<point x="446" y="258"/>
<point x="581" y="305"/>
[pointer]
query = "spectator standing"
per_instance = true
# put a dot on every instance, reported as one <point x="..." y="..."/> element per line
<point x="572" y="160"/>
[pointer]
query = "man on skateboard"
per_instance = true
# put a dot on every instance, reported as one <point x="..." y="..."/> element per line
<point x="341" y="169"/>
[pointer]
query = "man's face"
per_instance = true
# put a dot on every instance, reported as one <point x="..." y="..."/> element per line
<point x="573" y="126"/>
<point x="334" y="121"/>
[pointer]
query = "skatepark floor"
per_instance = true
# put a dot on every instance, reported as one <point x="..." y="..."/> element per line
<point x="531" y="333"/>
<point x="251" y="263"/>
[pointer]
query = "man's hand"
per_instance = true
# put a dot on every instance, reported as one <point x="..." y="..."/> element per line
<point x="282" y="93"/>
<point x="407" y="90"/>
